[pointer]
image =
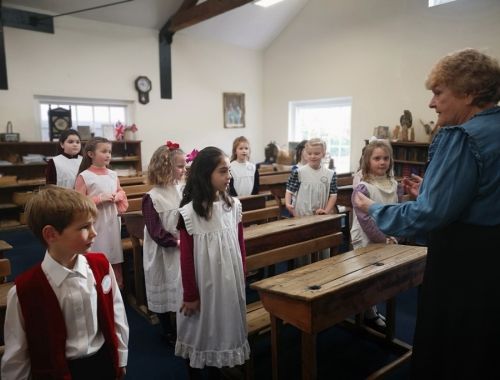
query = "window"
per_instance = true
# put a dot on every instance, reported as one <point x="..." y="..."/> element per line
<point x="433" y="3"/>
<point x="100" y="116"/>
<point x="328" y="119"/>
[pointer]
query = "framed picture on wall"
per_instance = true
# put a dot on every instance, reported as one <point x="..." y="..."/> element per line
<point x="234" y="109"/>
<point x="381" y="132"/>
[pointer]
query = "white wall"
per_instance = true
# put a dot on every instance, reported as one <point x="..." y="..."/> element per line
<point x="88" y="59"/>
<point x="378" y="52"/>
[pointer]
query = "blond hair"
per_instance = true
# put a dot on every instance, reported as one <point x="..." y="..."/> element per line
<point x="367" y="154"/>
<point x="56" y="206"/>
<point x="468" y="72"/>
<point x="316" y="142"/>
<point x="237" y="141"/>
<point x="161" y="168"/>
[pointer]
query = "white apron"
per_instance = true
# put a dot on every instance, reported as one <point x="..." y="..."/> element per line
<point x="162" y="264"/>
<point x="383" y="191"/>
<point x="314" y="189"/>
<point x="217" y="335"/>
<point x="66" y="170"/>
<point x="243" y="174"/>
<point x="108" y="224"/>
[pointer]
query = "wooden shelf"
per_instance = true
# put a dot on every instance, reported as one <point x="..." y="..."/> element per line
<point x="30" y="176"/>
<point x="6" y="206"/>
<point x="409" y="162"/>
<point x="122" y="159"/>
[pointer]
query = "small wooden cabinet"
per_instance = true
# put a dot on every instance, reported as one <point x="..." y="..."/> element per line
<point x="409" y="158"/>
<point x="19" y="177"/>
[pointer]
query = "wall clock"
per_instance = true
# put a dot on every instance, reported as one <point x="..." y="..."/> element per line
<point x="143" y="86"/>
<point x="59" y="120"/>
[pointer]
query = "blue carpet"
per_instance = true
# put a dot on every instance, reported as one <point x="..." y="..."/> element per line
<point x="341" y="353"/>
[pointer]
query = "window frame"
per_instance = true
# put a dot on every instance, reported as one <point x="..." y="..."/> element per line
<point x="320" y="103"/>
<point x="74" y="102"/>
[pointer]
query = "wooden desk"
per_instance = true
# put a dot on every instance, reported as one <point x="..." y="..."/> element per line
<point x="4" y="247"/>
<point x="254" y="202"/>
<point x="264" y="237"/>
<point x="317" y="296"/>
<point x="4" y="289"/>
<point x="344" y="194"/>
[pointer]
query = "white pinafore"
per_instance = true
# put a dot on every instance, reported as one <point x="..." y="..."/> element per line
<point x="107" y="225"/>
<point x="381" y="190"/>
<point x="243" y="177"/>
<point x="314" y="189"/>
<point x="162" y="264"/>
<point x="217" y="335"/>
<point x="67" y="170"/>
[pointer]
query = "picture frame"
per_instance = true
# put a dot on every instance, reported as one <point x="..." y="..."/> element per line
<point x="233" y="104"/>
<point x="381" y="132"/>
<point x="84" y="131"/>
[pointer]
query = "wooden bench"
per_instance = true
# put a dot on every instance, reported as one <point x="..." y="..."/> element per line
<point x="253" y="202"/>
<point x="136" y="295"/>
<point x="261" y="215"/>
<point x="271" y="180"/>
<point x="136" y="191"/>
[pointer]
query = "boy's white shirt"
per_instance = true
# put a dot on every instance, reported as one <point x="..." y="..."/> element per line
<point x="80" y="315"/>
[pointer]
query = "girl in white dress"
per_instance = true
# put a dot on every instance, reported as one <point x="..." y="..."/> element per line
<point x="63" y="168"/>
<point x="245" y="175"/>
<point x="103" y="186"/>
<point x="211" y="324"/>
<point x="314" y="187"/>
<point x="161" y="254"/>
<point x="377" y="183"/>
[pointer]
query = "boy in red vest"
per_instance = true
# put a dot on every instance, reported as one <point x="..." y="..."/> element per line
<point x="65" y="317"/>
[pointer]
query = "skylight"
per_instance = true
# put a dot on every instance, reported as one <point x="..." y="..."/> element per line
<point x="266" y="3"/>
<point x="433" y="3"/>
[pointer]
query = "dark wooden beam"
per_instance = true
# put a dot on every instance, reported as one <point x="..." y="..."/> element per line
<point x="3" y="62"/>
<point x="37" y="22"/>
<point x="165" y="38"/>
<point x="189" y="16"/>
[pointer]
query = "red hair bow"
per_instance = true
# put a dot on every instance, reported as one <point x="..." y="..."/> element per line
<point x="171" y="145"/>
<point x="191" y="156"/>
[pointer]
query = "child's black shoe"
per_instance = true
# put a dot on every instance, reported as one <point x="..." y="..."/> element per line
<point x="376" y="323"/>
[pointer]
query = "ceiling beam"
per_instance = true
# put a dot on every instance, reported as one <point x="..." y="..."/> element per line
<point x="3" y="62"/>
<point x="187" y="15"/>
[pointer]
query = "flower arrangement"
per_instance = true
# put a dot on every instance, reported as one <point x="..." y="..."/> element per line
<point x="121" y="130"/>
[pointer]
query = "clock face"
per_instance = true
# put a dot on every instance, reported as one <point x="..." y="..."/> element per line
<point x="143" y="84"/>
<point x="61" y="124"/>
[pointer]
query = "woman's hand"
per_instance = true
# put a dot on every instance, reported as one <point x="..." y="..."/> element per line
<point x="391" y="240"/>
<point x="190" y="308"/>
<point x="362" y="202"/>
<point x="412" y="185"/>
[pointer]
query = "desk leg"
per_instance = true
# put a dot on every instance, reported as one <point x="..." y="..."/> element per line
<point x="276" y="324"/>
<point x="309" y="368"/>
<point x="391" y="319"/>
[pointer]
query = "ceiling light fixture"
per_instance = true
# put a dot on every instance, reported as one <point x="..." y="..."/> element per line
<point x="266" y="3"/>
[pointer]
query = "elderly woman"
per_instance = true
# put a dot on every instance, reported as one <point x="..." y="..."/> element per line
<point x="458" y="324"/>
